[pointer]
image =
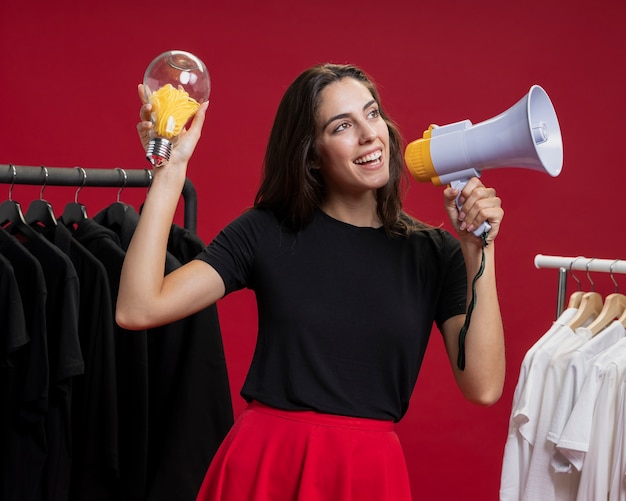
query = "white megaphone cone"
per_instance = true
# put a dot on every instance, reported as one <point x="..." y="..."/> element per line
<point x="527" y="135"/>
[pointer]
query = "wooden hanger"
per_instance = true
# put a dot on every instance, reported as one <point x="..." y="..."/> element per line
<point x="590" y="306"/>
<point x="614" y="308"/>
<point x="622" y="319"/>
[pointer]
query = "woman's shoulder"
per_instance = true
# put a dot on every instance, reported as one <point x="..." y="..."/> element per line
<point x="438" y="239"/>
<point x="255" y="218"/>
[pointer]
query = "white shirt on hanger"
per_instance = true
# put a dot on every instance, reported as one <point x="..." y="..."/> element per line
<point x="541" y="481"/>
<point x="617" y="490"/>
<point x="525" y="408"/>
<point x="596" y="471"/>
<point x="576" y="441"/>
<point x="566" y="478"/>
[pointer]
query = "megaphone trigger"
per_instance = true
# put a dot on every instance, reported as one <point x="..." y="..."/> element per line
<point x="459" y="185"/>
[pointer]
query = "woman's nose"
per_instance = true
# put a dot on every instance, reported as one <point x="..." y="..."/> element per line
<point x="368" y="133"/>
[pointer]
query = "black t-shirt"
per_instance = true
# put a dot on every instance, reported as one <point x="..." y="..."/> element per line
<point x="95" y="457"/>
<point x="64" y="357"/>
<point x="26" y="446"/>
<point x="344" y="312"/>
<point x="131" y="354"/>
<point x="190" y="404"/>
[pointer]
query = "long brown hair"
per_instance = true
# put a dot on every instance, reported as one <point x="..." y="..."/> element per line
<point x="290" y="186"/>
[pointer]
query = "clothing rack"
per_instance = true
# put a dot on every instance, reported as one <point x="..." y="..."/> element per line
<point x="568" y="264"/>
<point x="113" y="178"/>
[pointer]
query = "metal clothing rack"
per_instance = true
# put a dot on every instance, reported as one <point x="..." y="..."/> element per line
<point x="568" y="264"/>
<point x="112" y="178"/>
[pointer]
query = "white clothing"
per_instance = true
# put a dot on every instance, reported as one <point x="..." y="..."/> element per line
<point x="574" y="379"/>
<point x="596" y="472"/>
<point x="576" y="435"/>
<point x="541" y="481"/>
<point x="617" y="490"/>
<point x="526" y="406"/>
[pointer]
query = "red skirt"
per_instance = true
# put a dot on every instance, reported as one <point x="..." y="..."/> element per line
<point x="276" y="455"/>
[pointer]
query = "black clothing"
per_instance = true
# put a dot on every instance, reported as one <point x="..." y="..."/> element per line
<point x="65" y="361"/>
<point x="344" y="312"/>
<point x="131" y="355"/>
<point x="26" y="448"/>
<point x="190" y="402"/>
<point x="95" y="461"/>
<point x="183" y="410"/>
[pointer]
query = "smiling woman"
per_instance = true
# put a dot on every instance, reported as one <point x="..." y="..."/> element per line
<point x="347" y="285"/>
<point x="353" y="151"/>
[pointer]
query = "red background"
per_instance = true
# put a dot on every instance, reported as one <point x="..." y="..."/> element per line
<point x="68" y="76"/>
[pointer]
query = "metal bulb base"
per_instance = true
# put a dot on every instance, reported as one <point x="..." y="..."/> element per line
<point x="159" y="151"/>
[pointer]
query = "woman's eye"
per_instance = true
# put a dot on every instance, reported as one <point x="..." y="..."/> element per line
<point x="375" y="113"/>
<point x="342" y="126"/>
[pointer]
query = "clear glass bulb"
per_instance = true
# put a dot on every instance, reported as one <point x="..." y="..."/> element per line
<point x="176" y="83"/>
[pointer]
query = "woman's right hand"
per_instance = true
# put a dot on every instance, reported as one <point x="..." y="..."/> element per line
<point x="187" y="139"/>
<point x="146" y="297"/>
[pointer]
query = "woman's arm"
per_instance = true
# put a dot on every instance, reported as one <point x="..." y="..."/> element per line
<point x="482" y="379"/>
<point x="146" y="296"/>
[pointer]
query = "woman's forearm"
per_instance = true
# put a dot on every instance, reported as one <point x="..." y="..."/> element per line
<point x="143" y="271"/>
<point x="482" y="379"/>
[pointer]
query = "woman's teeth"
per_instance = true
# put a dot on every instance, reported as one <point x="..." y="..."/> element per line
<point x="368" y="158"/>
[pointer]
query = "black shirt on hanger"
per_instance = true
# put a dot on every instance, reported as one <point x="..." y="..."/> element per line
<point x="132" y="367"/>
<point x="190" y="394"/>
<point x="64" y="358"/>
<point x="12" y="337"/>
<point x="22" y="475"/>
<point x="95" y="470"/>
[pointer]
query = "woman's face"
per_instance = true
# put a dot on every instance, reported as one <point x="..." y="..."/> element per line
<point x="353" y="139"/>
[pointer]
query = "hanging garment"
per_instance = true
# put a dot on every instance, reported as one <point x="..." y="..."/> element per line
<point x="95" y="468"/>
<point x="571" y="357"/>
<point x="596" y="471"/>
<point x="569" y="451"/>
<point x="26" y="447"/>
<point x="13" y="337"/>
<point x="617" y="486"/>
<point x="195" y="403"/>
<point x="526" y="407"/>
<point x="132" y="368"/>
<point x="189" y="387"/>
<point x="189" y="404"/>
<point x="65" y="360"/>
<point x="574" y="378"/>
<point x="578" y="437"/>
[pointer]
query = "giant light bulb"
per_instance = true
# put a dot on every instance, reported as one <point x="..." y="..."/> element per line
<point x="176" y="83"/>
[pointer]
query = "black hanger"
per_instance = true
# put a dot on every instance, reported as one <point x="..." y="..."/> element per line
<point x="40" y="212"/>
<point x="75" y="212"/>
<point x="11" y="215"/>
<point x="115" y="214"/>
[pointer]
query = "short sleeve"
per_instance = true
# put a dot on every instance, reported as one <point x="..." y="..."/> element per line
<point x="232" y="252"/>
<point x="453" y="294"/>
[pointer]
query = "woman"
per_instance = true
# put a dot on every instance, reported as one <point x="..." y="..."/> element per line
<point x="347" y="286"/>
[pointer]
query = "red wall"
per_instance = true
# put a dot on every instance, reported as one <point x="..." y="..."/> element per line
<point x="68" y="80"/>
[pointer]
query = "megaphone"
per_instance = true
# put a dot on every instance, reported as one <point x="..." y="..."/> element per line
<point x="527" y="135"/>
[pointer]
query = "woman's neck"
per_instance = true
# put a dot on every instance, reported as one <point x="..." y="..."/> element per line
<point x="360" y="213"/>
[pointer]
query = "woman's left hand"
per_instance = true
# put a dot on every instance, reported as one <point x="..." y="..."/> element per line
<point x="478" y="204"/>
